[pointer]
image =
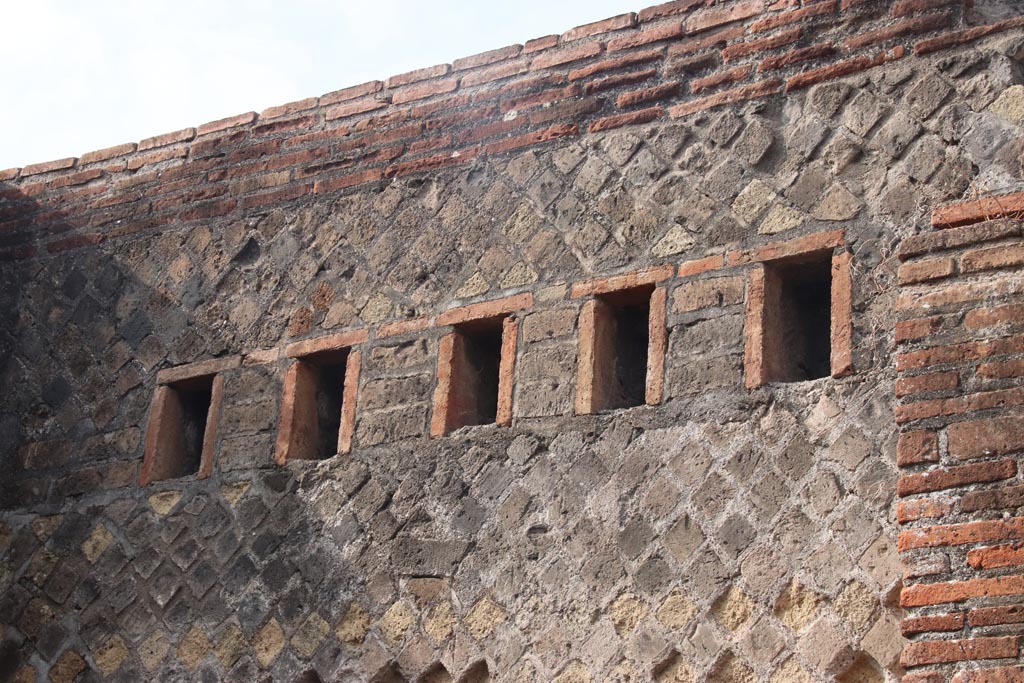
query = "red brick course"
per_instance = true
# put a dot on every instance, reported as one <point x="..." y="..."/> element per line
<point x="716" y="35"/>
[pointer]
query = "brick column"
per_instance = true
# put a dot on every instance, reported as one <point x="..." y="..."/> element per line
<point x="960" y="391"/>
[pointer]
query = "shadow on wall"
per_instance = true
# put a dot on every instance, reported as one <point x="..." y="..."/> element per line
<point x="82" y="334"/>
<point x="15" y="207"/>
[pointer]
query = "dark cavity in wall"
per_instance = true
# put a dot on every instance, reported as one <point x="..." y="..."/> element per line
<point x="9" y="660"/>
<point x="330" y="390"/>
<point x="477" y="368"/>
<point x="798" y="318"/>
<point x="192" y="399"/>
<point x="630" y="311"/>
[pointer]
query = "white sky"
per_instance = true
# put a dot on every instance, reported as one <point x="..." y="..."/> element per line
<point x="81" y="75"/>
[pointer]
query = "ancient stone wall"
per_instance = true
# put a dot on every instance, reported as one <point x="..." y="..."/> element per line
<point x="711" y="269"/>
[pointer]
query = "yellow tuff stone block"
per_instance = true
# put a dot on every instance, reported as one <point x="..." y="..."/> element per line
<point x="397" y="621"/>
<point x="796" y="606"/>
<point x="677" y="611"/>
<point x="733" y="609"/>
<point x="440" y="622"/>
<point x="626" y="612"/>
<point x="110" y="657"/>
<point x="98" y="541"/>
<point x="484" y="618"/>
<point x="268" y="643"/>
<point x="193" y="647"/>
<point x="354" y="626"/>
<point x="164" y="502"/>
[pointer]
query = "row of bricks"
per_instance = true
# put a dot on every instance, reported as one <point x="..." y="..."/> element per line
<point x="283" y="187"/>
<point x="961" y="354"/>
<point x="959" y="405"/>
<point x="956" y="621"/>
<point x="938" y="507"/>
<point x="974" y="261"/>
<point x="966" y="440"/>
<point x="947" y="651"/>
<point x="996" y="674"/>
<point x="121" y="206"/>
<point x="959" y="294"/>
<point x="625" y="31"/>
<point x="944" y="592"/>
<point x="974" y="319"/>
<point x="538" y="55"/>
<point x="962" y="533"/>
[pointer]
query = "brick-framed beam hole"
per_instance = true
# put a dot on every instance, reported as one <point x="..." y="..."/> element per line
<point x="181" y="434"/>
<point x="622" y="342"/>
<point x="798" y="318"/>
<point x="475" y="370"/>
<point x="318" y="410"/>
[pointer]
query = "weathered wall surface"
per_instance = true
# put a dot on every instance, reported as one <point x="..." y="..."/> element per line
<point x="724" y="534"/>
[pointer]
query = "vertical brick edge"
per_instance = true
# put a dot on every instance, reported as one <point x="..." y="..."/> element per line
<point x="154" y="426"/>
<point x="209" y="452"/>
<point x="753" y="332"/>
<point x="842" y="315"/>
<point x="506" y="370"/>
<point x="656" y="346"/>
<point x="348" y="402"/>
<point x="585" y="369"/>
<point x="287" y="421"/>
<point x="442" y="392"/>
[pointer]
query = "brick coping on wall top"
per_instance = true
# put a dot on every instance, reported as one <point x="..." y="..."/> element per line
<point x="682" y="57"/>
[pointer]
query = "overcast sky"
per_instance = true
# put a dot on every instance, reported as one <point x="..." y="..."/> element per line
<point x="79" y="76"/>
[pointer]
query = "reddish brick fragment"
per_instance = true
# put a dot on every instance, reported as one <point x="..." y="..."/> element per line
<point x="546" y="60"/>
<point x="952" y="477"/>
<point x="926" y="270"/>
<point x="333" y="184"/>
<point x="840" y="69"/>
<point x="963" y="533"/>
<point x="290" y="108"/>
<point x="903" y="8"/>
<point x="424" y="89"/>
<point x="48" y="166"/>
<point x="597" y="27"/>
<point x="725" y="14"/>
<point x="108" y="153"/>
<point x="485" y="58"/>
<point x="994" y="616"/>
<point x="999" y="315"/>
<point x="746" y="92"/>
<point x="632" y="118"/>
<point x="923" y="508"/>
<point x="786" y="18"/>
<point x="943" y="651"/>
<point x="417" y="75"/>
<point x="981" y="438"/>
<point x="670" y="9"/>
<point x="965" y="36"/>
<point x="749" y="47"/>
<point x="935" y="381"/>
<point x="900" y="28"/>
<point x="802" y="54"/>
<point x="932" y="623"/>
<point x="721" y="78"/>
<point x="698" y="266"/>
<point x="1009" y="555"/>
<point x="533" y="138"/>
<point x="918" y="328"/>
<point x="615" y="64"/>
<point x="658" y="92"/>
<point x="647" y="36"/>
